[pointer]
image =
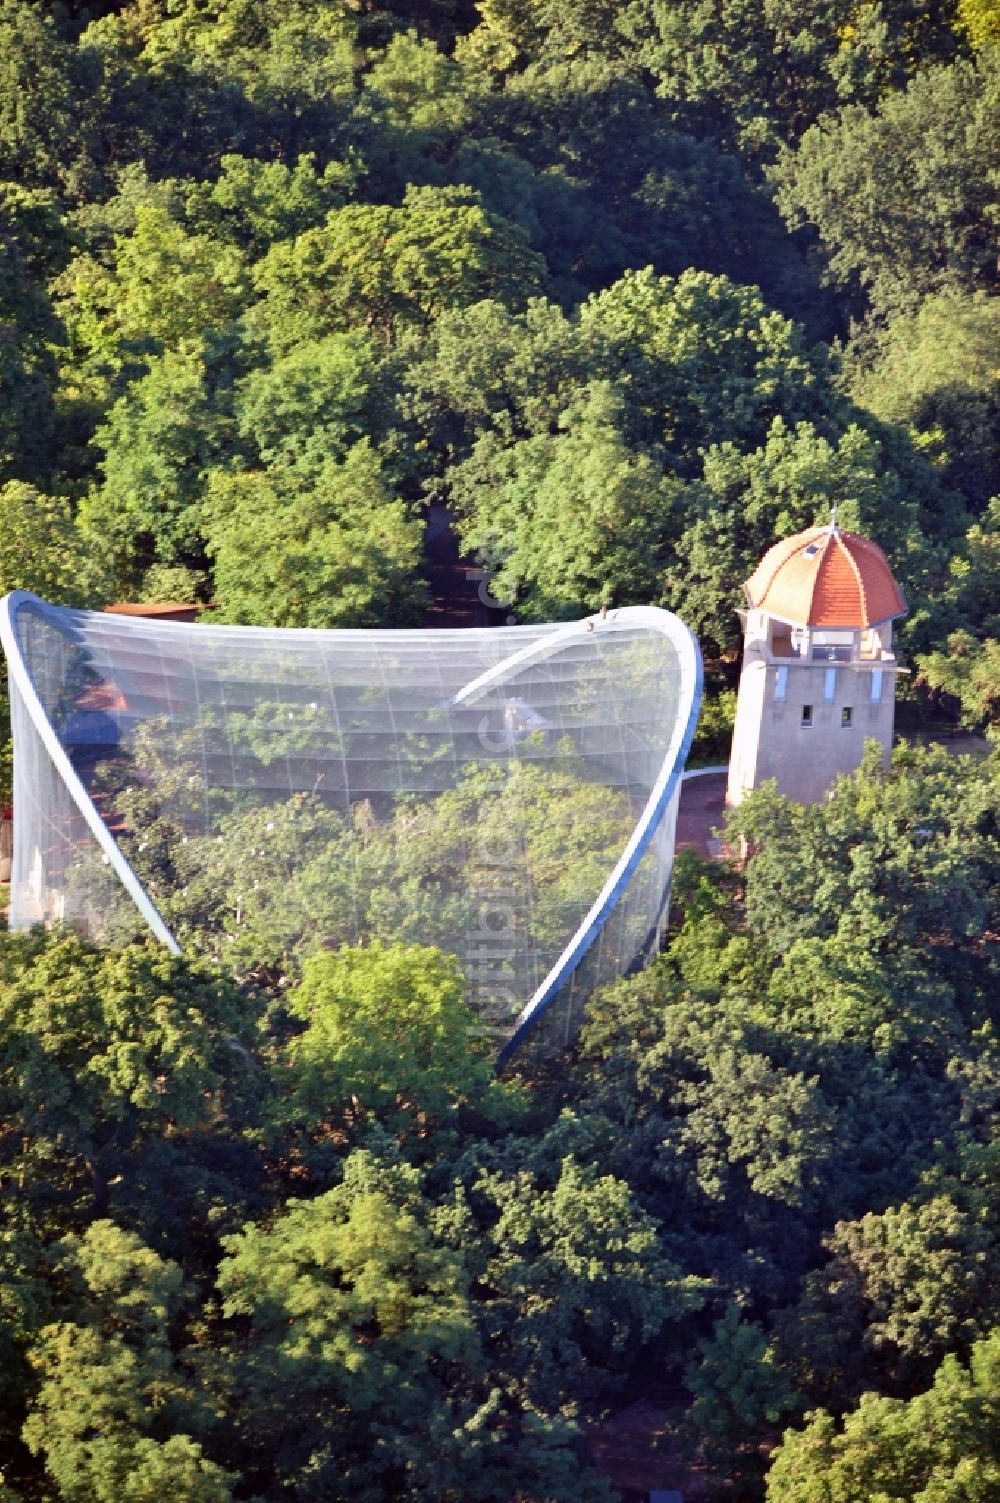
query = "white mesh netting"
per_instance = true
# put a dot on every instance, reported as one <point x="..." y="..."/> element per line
<point x="508" y="794"/>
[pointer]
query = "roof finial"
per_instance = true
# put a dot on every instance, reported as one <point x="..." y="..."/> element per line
<point x="833" y="517"/>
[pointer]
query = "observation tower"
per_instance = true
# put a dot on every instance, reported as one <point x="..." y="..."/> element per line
<point x="819" y="672"/>
<point x="508" y="794"/>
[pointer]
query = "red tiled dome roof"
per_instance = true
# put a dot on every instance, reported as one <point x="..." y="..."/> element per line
<point x="826" y="577"/>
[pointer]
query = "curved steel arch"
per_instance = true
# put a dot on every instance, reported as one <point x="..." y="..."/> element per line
<point x="666" y="785"/>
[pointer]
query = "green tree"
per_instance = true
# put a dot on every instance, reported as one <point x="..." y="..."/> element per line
<point x="902" y="860"/>
<point x="165" y="287"/>
<point x="312" y="405"/>
<point x="41" y="550"/>
<point x="901" y="198"/>
<point x="765" y="74"/>
<point x="747" y="1121"/>
<point x="160" y="443"/>
<point x="484" y="369"/>
<point x="935" y="372"/>
<point x="980" y="20"/>
<point x="110" y="1401"/>
<point x="967" y="664"/>
<point x="172" y="285"/>
<point x="388" y="1035"/>
<point x="93" y="1407"/>
<point x="902" y="1287"/>
<point x="333" y="551"/>
<point x="969" y="669"/>
<point x="34" y="243"/>
<point x="706" y="361"/>
<point x="414" y="108"/>
<point x="174" y="113"/>
<point x="255" y="204"/>
<point x="940" y="1447"/>
<point x="976" y="570"/>
<point x="164" y="584"/>
<point x="290" y="66"/>
<point x="577" y="1277"/>
<point x="682" y="363"/>
<point x="40" y="142"/>
<point x="99" y="1051"/>
<point x="383" y="269"/>
<point x="360" y="1317"/>
<point x="739" y="1392"/>
<point x="513" y="34"/>
<point x="25" y="1308"/>
<point x="800" y="1049"/>
<point x="578" y="518"/>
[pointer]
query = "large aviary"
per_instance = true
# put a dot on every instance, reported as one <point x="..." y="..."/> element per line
<point x="508" y="795"/>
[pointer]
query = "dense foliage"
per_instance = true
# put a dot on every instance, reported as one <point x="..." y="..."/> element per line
<point x="297" y="1240"/>
<point x="634" y="287"/>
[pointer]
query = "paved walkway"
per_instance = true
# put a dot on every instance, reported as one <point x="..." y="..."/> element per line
<point x="703" y="793"/>
<point x="701" y="811"/>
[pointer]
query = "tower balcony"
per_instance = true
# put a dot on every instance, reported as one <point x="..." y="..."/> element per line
<point x="780" y="642"/>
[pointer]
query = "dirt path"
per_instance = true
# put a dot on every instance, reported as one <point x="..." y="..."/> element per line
<point x="632" y="1449"/>
<point x="459" y="590"/>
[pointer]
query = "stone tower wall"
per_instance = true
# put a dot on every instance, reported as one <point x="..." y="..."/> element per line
<point x="771" y="740"/>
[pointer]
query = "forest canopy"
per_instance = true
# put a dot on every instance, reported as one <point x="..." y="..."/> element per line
<point x="632" y="288"/>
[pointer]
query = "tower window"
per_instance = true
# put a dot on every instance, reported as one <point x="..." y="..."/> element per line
<point x="876" y="690"/>
<point x="781" y="683"/>
<point x="846" y="715"/>
<point x="807" y="714"/>
<point x="833" y="646"/>
<point x="829" y="684"/>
